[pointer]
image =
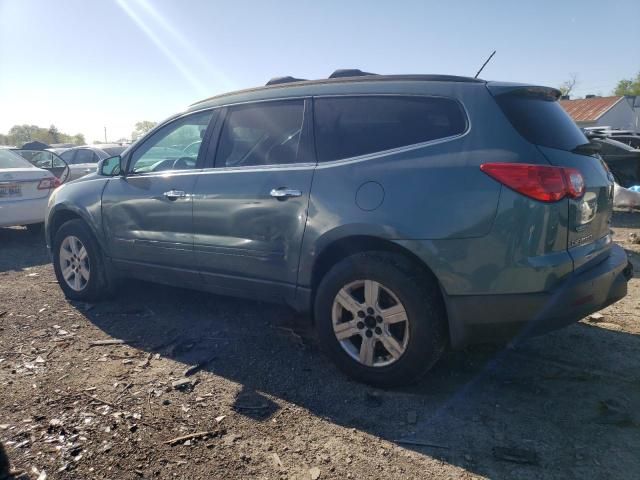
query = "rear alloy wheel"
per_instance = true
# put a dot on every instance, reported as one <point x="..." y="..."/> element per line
<point x="380" y="318"/>
<point x="370" y="323"/>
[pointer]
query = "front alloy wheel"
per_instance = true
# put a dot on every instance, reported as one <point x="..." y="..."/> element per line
<point x="370" y="323"/>
<point x="79" y="264"/>
<point x="74" y="263"/>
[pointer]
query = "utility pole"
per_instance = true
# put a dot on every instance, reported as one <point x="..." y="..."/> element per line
<point x="105" y="134"/>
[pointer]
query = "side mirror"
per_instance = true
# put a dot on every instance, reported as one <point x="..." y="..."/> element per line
<point x="110" y="167"/>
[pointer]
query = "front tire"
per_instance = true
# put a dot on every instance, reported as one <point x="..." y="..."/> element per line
<point x="78" y="263"/>
<point x="380" y="319"/>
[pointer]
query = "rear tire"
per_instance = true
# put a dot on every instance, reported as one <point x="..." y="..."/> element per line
<point x="394" y="310"/>
<point x="78" y="263"/>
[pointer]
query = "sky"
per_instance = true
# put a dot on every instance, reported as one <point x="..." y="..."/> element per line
<point x="86" y="65"/>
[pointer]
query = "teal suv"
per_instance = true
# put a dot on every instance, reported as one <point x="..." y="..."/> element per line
<point x="405" y="213"/>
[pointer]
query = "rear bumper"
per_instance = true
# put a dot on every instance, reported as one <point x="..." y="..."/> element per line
<point x="490" y="318"/>
<point x="23" y="212"/>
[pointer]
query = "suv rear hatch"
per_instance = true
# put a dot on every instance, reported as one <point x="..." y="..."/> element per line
<point x="540" y="119"/>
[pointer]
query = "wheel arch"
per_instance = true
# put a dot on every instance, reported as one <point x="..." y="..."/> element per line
<point x="64" y="213"/>
<point x="339" y="248"/>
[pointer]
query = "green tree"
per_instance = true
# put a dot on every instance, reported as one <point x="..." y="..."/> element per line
<point x="78" y="139"/>
<point x="54" y="134"/>
<point x="19" y="134"/>
<point x="628" y="86"/>
<point x="141" y="128"/>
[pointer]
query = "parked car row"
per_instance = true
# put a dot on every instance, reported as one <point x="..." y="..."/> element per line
<point x="83" y="160"/>
<point x="620" y="149"/>
<point x="24" y="191"/>
<point x="20" y="202"/>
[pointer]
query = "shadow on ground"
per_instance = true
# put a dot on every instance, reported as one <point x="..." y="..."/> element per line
<point x="21" y="249"/>
<point x="563" y="405"/>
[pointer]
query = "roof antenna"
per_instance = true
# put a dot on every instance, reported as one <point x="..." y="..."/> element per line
<point x="485" y="64"/>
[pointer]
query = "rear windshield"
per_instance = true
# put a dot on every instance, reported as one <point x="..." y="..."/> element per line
<point x="11" y="160"/>
<point x="541" y="120"/>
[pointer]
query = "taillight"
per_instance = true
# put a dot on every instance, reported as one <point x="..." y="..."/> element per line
<point x="540" y="182"/>
<point x="49" y="183"/>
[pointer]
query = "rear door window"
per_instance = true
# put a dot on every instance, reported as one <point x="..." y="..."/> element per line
<point x="352" y="126"/>
<point x="265" y="133"/>
<point x="85" y="156"/>
<point x="68" y="156"/>
<point x="540" y="119"/>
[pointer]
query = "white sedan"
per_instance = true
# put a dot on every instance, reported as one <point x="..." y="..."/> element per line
<point x="24" y="191"/>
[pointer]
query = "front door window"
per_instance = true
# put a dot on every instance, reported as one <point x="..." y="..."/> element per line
<point x="175" y="146"/>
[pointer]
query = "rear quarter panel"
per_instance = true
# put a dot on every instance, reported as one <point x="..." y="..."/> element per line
<point x="434" y="195"/>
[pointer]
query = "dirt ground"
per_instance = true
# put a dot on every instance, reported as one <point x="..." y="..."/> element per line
<point x="261" y="401"/>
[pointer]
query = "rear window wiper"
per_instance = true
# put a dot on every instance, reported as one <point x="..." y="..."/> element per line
<point x="587" y="148"/>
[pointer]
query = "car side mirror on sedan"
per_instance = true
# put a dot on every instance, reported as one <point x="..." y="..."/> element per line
<point x="110" y="167"/>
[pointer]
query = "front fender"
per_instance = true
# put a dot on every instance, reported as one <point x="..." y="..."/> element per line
<point x="80" y="200"/>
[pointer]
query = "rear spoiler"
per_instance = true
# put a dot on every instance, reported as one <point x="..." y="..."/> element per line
<point x="536" y="91"/>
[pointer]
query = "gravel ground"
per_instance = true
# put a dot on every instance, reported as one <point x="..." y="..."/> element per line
<point x="260" y="400"/>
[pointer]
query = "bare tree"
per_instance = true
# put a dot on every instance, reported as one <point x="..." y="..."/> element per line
<point x="567" y="86"/>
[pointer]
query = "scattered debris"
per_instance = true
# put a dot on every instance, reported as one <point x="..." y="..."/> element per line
<point x="634" y="238"/>
<point x="99" y="400"/>
<point x="515" y="455"/>
<point x="419" y="443"/>
<point x="196" y="368"/>
<point x="293" y="334"/>
<point x="191" y="436"/>
<point x="101" y="343"/>
<point x="184" y="384"/>
<point x="596" y="317"/>
<point x="240" y="406"/>
<point x="276" y="460"/>
<point x="146" y="362"/>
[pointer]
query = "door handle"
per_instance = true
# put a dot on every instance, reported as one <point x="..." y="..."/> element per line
<point x="175" y="194"/>
<point x="283" y="193"/>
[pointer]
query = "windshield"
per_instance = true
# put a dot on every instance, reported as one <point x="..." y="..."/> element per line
<point x="541" y="120"/>
<point x="9" y="159"/>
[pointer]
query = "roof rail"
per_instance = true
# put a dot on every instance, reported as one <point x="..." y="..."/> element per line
<point x="287" y="79"/>
<point x="349" y="72"/>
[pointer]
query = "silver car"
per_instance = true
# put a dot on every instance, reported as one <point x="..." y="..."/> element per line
<point x="84" y="160"/>
<point x="24" y="191"/>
